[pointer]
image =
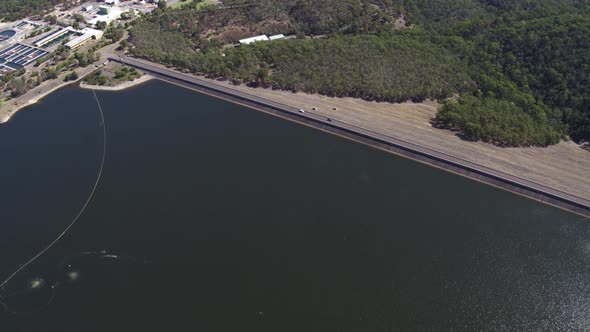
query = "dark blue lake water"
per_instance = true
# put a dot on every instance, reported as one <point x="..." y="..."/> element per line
<point x="214" y="217"/>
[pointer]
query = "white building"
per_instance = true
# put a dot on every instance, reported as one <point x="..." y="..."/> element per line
<point x="253" y="39"/>
<point x="52" y="36"/>
<point x="114" y="14"/>
<point x="85" y="36"/>
<point x="276" y="37"/>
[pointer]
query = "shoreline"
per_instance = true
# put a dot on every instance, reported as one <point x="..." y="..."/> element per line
<point x="33" y="96"/>
<point x="561" y="184"/>
<point x="457" y="164"/>
<point x="11" y="107"/>
<point x="119" y="87"/>
<point x="8" y="110"/>
<point x="401" y="150"/>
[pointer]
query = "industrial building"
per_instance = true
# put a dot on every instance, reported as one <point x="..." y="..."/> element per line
<point x="276" y="37"/>
<point x="107" y="15"/>
<point x="85" y="36"/>
<point x="261" y="38"/>
<point x="253" y="39"/>
<point x="5" y="70"/>
<point x="27" y="25"/>
<point x="104" y="10"/>
<point x="18" y="56"/>
<point x="53" y="37"/>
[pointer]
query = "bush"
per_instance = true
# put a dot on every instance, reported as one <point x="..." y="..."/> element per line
<point x="71" y="76"/>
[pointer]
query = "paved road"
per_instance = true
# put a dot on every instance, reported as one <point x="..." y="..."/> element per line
<point x="516" y="184"/>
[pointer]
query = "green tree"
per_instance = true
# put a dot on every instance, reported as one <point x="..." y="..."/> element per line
<point x="51" y="19"/>
<point x="101" y="25"/>
<point x="518" y="70"/>
<point x="79" y="18"/>
<point x="72" y="76"/>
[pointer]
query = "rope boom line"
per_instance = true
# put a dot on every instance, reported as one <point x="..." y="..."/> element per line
<point x="90" y="196"/>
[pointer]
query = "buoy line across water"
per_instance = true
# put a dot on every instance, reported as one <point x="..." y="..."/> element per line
<point x="90" y="196"/>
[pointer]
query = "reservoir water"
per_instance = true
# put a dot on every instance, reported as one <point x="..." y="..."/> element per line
<point x="215" y="217"/>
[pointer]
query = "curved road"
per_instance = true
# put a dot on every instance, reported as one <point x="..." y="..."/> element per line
<point x="452" y="163"/>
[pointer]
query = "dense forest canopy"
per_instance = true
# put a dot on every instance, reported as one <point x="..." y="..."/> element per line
<point x="11" y="10"/>
<point x="508" y="72"/>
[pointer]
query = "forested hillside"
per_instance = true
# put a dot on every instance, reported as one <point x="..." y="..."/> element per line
<point x="384" y="68"/>
<point x="509" y="72"/>
<point x="11" y="10"/>
<point x="549" y="59"/>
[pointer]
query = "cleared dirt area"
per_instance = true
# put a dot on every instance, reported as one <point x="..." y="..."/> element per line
<point x="565" y="166"/>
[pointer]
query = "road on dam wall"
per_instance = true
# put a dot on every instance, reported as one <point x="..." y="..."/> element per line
<point x="411" y="150"/>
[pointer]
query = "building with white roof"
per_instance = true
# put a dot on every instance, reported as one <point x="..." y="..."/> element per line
<point x="113" y="14"/>
<point x="52" y="36"/>
<point x="253" y="39"/>
<point x="86" y="35"/>
<point x="276" y="37"/>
